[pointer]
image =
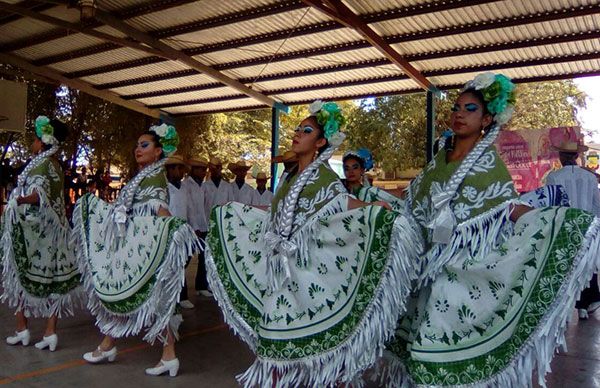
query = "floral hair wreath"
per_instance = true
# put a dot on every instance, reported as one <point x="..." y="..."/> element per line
<point x="45" y="131"/>
<point x="498" y="93"/>
<point x="169" y="139"/>
<point x="364" y="155"/>
<point x="329" y="115"/>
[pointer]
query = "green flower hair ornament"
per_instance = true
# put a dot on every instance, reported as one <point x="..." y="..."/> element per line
<point x="169" y="139"/>
<point x="329" y="116"/>
<point x="44" y="131"/>
<point x="498" y="93"/>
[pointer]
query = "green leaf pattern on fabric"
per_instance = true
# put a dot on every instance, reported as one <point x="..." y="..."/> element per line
<point x="124" y="275"/>
<point x="481" y="310"/>
<point x="322" y="303"/>
<point x="44" y="261"/>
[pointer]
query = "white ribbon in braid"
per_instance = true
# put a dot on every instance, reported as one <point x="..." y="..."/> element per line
<point x="34" y="163"/>
<point x="277" y="238"/>
<point x="124" y="203"/>
<point x="444" y="221"/>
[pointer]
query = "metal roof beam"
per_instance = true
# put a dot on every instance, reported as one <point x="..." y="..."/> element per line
<point x="77" y="84"/>
<point x="411" y="57"/>
<point x="398" y="77"/>
<point x="8" y="17"/>
<point x="148" y="79"/>
<point x="271" y="9"/>
<point x="306" y="88"/>
<point x="128" y="13"/>
<point x="554" y="77"/>
<point x="340" y="12"/>
<point x="538" y="17"/>
<point x="178" y="55"/>
<point x="237" y="17"/>
<point x="360" y="44"/>
<point x="76" y="27"/>
<point x="266" y="77"/>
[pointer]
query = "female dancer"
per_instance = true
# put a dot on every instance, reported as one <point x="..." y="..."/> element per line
<point x="40" y="277"/>
<point x="356" y="164"/>
<point x="495" y="295"/>
<point x="313" y="287"/>
<point x="132" y="256"/>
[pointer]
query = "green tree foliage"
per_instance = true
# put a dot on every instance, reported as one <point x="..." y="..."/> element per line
<point x="548" y="105"/>
<point x="393" y="128"/>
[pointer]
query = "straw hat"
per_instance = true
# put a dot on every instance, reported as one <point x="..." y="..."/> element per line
<point x="570" y="147"/>
<point x="287" y="156"/>
<point x="215" y="161"/>
<point x="198" y="162"/>
<point x="261" y="175"/>
<point x="175" y="159"/>
<point x="240" y="165"/>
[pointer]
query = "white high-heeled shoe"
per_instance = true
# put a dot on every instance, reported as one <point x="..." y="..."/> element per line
<point x="108" y="355"/>
<point x="48" y="342"/>
<point x="20" y="336"/>
<point x="171" y="366"/>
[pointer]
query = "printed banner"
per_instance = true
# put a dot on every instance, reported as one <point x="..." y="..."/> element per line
<point x="529" y="156"/>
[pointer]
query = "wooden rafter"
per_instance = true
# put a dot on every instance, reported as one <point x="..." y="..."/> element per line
<point x="504" y="22"/>
<point x="180" y="56"/>
<point x="340" y="12"/>
<point x="78" y="28"/>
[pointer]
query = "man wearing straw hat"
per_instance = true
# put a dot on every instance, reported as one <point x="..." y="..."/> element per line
<point x="242" y="192"/>
<point x="217" y="192"/>
<point x="196" y="189"/>
<point x="178" y="206"/>
<point x="262" y="196"/>
<point x="581" y="186"/>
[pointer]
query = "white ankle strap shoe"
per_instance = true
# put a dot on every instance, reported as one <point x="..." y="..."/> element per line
<point x="48" y="342"/>
<point x="171" y="366"/>
<point x="101" y="355"/>
<point x="20" y="336"/>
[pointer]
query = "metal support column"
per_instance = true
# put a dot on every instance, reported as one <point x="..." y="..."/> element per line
<point x="430" y="125"/>
<point x="274" y="145"/>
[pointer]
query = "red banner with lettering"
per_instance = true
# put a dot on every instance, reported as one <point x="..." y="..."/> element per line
<point x="529" y="156"/>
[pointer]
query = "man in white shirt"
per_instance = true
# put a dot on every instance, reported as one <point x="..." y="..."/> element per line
<point x="217" y="191"/>
<point x="196" y="188"/>
<point x="581" y="187"/>
<point x="178" y="206"/>
<point x="262" y="196"/>
<point x="242" y="192"/>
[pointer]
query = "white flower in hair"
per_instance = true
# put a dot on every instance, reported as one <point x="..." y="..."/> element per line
<point x="504" y="116"/>
<point x="160" y="130"/>
<point x="315" y="107"/>
<point x="49" y="139"/>
<point x="482" y="81"/>
<point x="336" y="139"/>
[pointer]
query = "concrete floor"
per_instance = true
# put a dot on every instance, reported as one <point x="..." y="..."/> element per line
<point x="210" y="355"/>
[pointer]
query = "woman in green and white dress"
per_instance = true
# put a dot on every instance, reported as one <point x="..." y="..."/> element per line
<point x="356" y="165"/>
<point x="132" y="256"/>
<point x="40" y="276"/>
<point x="500" y="279"/>
<point x="313" y="285"/>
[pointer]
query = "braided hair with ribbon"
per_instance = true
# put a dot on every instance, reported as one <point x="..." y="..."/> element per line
<point x="497" y="93"/>
<point x="281" y="248"/>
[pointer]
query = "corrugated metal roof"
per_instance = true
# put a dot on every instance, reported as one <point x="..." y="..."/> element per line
<point x="295" y="53"/>
<point x="136" y="72"/>
<point x="300" y="17"/>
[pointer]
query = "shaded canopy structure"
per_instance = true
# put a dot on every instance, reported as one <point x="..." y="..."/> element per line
<point x="188" y="57"/>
